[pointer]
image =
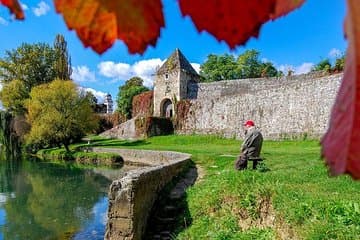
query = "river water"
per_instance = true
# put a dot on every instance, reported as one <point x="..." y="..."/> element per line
<point x="40" y="200"/>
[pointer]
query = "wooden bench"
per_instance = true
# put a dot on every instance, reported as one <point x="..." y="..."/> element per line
<point x="255" y="160"/>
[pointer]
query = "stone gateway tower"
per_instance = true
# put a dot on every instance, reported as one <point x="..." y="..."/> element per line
<point x="171" y="83"/>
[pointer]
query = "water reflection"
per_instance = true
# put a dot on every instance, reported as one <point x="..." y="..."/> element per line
<point x="51" y="201"/>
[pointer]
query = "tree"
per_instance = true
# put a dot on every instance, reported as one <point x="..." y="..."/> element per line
<point x="29" y="63"/>
<point x="13" y="96"/>
<point x="92" y="99"/>
<point x="323" y="65"/>
<point x="131" y="88"/>
<point x="268" y="70"/>
<point x="225" y="67"/>
<point x="62" y="64"/>
<point x="58" y="114"/>
<point x="339" y="64"/>
<point x="217" y="68"/>
<point x="248" y="64"/>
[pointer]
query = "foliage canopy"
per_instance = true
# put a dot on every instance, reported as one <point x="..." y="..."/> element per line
<point x="59" y="114"/>
<point x="28" y="66"/>
<point x="131" y="88"/>
<point x="226" y="67"/>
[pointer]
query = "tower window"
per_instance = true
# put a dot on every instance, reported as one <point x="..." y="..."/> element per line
<point x="166" y="76"/>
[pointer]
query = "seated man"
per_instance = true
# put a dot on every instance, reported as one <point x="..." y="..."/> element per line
<point x="251" y="146"/>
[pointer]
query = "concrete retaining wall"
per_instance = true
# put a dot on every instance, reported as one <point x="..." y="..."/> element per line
<point x="131" y="198"/>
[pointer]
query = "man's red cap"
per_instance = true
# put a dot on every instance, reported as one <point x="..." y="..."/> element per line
<point x="249" y="123"/>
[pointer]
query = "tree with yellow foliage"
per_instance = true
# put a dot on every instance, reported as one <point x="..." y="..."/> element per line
<point x="59" y="114"/>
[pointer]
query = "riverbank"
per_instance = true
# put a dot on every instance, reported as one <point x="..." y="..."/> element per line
<point x="81" y="155"/>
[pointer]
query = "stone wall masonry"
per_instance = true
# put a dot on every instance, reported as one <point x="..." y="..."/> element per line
<point x="281" y="107"/>
<point x="125" y="130"/>
<point x="131" y="198"/>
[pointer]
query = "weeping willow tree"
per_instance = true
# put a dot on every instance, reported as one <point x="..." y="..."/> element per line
<point x="10" y="143"/>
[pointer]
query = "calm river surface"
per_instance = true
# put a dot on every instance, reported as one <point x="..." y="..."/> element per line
<point x="41" y="200"/>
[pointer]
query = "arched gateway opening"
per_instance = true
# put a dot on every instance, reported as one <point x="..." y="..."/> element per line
<point x="167" y="108"/>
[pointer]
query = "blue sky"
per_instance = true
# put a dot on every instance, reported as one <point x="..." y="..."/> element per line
<point x="297" y="41"/>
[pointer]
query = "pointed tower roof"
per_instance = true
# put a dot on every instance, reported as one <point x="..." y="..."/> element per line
<point x="176" y="61"/>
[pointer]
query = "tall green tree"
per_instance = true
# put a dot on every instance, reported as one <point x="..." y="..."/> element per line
<point x="339" y="64"/>
<point x="217" y="68"/>
<point x="268" y="70"/>
<point x="323" y="65"/>
<point x="250" y="66"/>
<point x="30" y="63"/>
<point x="13" y="96"/>
<point x="62" y="64"/>
<point x="246" y="65"/>
<point x="131" y="88"/>
<point x="58" y="114"/>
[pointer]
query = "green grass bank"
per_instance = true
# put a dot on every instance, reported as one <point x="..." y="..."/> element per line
<point x="296" y="199"/>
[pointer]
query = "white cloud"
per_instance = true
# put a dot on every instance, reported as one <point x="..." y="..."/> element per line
<point x="301" y="69"/>
<point x="98" y="94"/>
<point x="114" y="70"/>
<point x="24" y="6"/>
<point x="285" y="68"/>
<point x="145" y="69"/>
<point x="334" y="53"/>
<point x="196" y="66"/>
<point x="3" y="22"/>
<point x="82" y="74"/>
<point x="123" y="71"/>
<point x="42" y="9"/>
<point x="304" y="68"/>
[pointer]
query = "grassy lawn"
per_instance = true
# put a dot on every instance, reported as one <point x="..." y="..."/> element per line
<point x="295" y="199"/>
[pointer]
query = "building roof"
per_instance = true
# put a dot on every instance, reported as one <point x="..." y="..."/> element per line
<point x="176" y="61"/>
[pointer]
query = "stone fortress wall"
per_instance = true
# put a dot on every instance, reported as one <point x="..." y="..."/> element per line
<point x="287" y="107"/>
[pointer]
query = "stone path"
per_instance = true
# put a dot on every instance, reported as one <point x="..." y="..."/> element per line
<point x="171" y="208"/>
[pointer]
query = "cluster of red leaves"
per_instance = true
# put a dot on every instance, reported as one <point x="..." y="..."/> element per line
<point x="14" y="7"/>
<point x="108" y="121"/>
<point x="182" y="111"/>
<point x="142" y="104"/>
<point x="99" y="23"/>
<point x="341" y="142"/>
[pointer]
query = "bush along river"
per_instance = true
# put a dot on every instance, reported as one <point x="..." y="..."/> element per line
<point x="41" y="200"/>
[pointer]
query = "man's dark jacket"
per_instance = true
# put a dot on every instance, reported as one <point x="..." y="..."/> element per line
<point x="252" y="144"/>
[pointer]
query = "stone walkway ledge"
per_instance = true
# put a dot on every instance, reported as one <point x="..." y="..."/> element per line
<point x="145" y="157"/>
<point x="132" y="197"/>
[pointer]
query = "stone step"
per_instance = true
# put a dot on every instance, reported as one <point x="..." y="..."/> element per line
<point x="170" y="208"/>
<point x="176" y="194"/>
<point x="164" y="234"/>
<point x="165" y="219"/>
<point x="156" y="237"/>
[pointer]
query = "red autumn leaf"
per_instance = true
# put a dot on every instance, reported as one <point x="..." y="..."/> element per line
<point x="14" y="7"/>
<point x="235" y="21"/>
<point x="283" y="7"/>
<point x="98" y="23"/>
<point x="340" y="145"/>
